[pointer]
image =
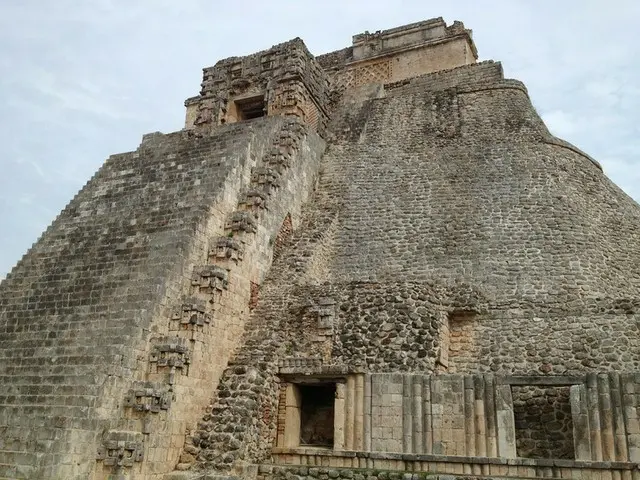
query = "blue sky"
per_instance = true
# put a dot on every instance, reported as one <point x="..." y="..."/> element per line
<point x="83" y="79"/>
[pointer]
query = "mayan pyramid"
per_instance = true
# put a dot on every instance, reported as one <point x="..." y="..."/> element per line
<point x="373" y="264"/>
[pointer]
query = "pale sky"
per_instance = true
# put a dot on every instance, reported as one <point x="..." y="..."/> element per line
<point x="83" y="79"/>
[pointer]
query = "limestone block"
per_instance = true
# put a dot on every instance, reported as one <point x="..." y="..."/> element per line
<point x="505" y="422"/>
<point x="340" y="418"/>
<point x="579" y="413"/>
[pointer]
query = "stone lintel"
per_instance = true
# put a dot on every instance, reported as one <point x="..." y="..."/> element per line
<point x="308" y="373"/>
<point x="541" y="380"/>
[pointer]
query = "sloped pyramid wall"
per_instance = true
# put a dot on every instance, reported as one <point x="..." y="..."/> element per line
<point x="450" y="233"/>
<point x="114" y="326"/>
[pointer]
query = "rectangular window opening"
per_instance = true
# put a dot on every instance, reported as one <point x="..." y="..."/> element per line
<point x="267" y="62"/>
<point x="236" y="70"/>
<point x="317" y="414"/>
<point x="543" y="422"/>
<point x="250" y="108"/>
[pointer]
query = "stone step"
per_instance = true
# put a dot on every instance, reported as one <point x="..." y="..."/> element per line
<point x="288" y="472"/>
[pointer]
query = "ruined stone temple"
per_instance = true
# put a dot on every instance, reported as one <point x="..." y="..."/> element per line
<point x="373" y="264"/>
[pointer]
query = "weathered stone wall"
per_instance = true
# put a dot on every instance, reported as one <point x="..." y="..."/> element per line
<point x="77" y="310"/>
<point x="368" y="227"/>
<point x="441" y="206"/>
<point x="432" y="202"/>
<point x="334" y="60"/>
<point x="552" y="343"/>
<point x="287" y="76"/>
<point x="131" y="289"/>
<point x="543" y="423"/>
<point x="375" y="327"/>
<point x="406" y="64"/>
<point x="462" y="78"/>
<point x="400" y="53"/>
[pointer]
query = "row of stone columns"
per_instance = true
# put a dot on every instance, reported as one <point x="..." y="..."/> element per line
<point x="445" y="414"/>
<point x="349" y="414"/>
<point x="605" y="411"/>
<point x="472" y="415"/>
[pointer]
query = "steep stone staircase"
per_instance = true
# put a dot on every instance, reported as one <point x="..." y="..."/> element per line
<point x="200" y="314"/>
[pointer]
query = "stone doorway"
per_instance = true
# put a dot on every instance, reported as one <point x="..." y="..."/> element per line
<point x="306" y="416"/>
<point x="543" y="421"/>
<point x="250" y="108"/>
<point x="317" y="414"/>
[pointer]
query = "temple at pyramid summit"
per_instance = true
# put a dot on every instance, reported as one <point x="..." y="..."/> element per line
<point x="372" y="264"/>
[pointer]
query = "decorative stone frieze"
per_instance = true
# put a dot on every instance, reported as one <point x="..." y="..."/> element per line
<point x="254" y="201"/>
<point x="326" y="314"/>
<point x="148" y="397"/>
<point x="241" y="222"/>
<point x="121" y="449"/>
<point x="170" y="354"/>
<point x="284" y="80"/>
<point x="225" y="248"/>
<point x="265" y="178"/>
<point x="279" y="158"/>
<point x="191" y="314"/>
<point x="210" y="279"/>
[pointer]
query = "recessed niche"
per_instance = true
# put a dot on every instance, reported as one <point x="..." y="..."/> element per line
<point x="316" y="414"/>
<point x="306" y="414"/>
<point x="250" y="108"/>
<point x="543" y="422"/>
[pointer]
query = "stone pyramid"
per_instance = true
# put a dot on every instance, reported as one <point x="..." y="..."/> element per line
<point x="373" y="264"/>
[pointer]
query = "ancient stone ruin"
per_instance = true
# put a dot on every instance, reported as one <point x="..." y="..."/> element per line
<point x="374" y="264"/>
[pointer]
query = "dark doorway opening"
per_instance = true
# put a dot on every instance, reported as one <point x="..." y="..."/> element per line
<point x="250" y="108"/>
<point x="316" y="415"/>
<point x="544" y="426"/>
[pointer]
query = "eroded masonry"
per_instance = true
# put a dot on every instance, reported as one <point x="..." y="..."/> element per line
<point x="371" y="264"/>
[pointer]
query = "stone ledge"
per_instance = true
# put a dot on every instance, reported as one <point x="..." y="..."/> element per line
<point x="564" y="144"/>
<point x="277" y="472"/>
<point x="405" y="48"/>
<point x="413" y="457"/>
